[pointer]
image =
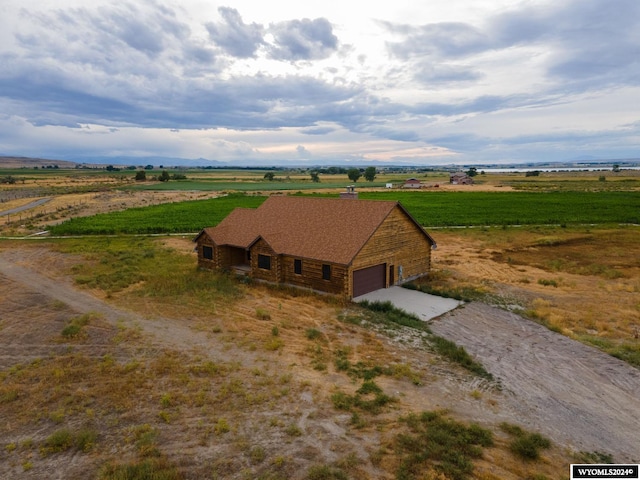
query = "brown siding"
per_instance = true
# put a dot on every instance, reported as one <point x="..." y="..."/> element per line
<point x="262" y="248"/>
<point x="203" y="262"/>
<point x="398" y="242"/>
<point x="237" y="256"/>
<point x="311" y="276"/>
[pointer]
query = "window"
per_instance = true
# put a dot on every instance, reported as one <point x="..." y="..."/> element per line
<point x="264" y="262"/>
<point x="326" y="272"/>
<point x="207" y="252"/>
<point x="297" y="267"/>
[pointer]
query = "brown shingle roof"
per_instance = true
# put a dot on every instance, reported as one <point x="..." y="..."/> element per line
<point x="327" y="229"/>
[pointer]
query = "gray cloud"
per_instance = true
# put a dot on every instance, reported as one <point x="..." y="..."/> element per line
<point x="589" y="43"/>
<point x="444" y="74"/>
<point x="234" y="36"/>
<point x="440" y="39"/>
<point x="303" y="40"/>
<point x="318" y="130"/>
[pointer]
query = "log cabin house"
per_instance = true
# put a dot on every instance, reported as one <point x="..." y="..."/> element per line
<point x="342" y="246"/>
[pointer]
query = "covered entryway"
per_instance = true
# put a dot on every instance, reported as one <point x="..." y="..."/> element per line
<point x="369" y="279"/>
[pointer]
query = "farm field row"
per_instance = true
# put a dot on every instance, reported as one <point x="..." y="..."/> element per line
<point x="431" y="209"/>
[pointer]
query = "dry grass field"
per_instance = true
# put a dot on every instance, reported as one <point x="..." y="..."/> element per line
<point x="235" y="381"/>
<point x="118" y="359"/>
<point x="582" y="282"/>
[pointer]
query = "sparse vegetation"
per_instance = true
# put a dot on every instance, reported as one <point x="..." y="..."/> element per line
<point x="262" y="314"/>
<point x="74" y="327"/>
<point x="368" y="398"/>
<point x="58" y="441"/>
<point x="430" y="285"/>
<point x="524" y="444"/>
<point x="441" y="444"/>
<point x="148" y="468"/>
<point x="593" y="457"/>
<point x="442" y="346"/>
<point x="459" y="355"/>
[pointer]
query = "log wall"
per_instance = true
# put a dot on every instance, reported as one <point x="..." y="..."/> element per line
<point x="398" y="242"/>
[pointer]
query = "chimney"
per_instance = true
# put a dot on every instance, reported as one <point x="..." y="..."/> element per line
<point x="350" y="193"/>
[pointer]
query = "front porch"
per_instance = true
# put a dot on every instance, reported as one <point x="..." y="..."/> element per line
<point x="241" y="269"/>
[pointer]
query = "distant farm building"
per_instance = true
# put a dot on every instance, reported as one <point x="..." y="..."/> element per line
<point x="342" y="246"/>
<point x="412" y="183"/>
<point x="460" y="178"/>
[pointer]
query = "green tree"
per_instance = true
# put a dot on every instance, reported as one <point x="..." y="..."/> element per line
<point x="370" y="174"/>
<point x="269" y="176"/>
<point x="472" y="172"/>
<point x="315" y="177"/>
<point x="353" y="174"/>
<point x="616" y="167"/>
<point x="141" y="176"/>
<point x="164" y="177"/>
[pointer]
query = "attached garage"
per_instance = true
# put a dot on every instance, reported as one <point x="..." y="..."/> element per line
<point x="342" y="246"/>
<point x="369" y="279"/>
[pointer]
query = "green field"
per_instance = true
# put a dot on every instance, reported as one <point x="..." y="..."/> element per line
<point x="430" y="209"/>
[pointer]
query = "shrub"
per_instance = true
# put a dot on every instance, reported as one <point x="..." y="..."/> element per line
<point x="369" y="398"/>
<point x="443" y="444"/>
<point x="528" y="447"/>
<point x="459" y="355"/>
<point x="222" y="426"/>
<point x="313" y="334"/>
<point x="74" y="328"/>
<point x="58" y="441"/>
<point x="525" y="445"/>
<point x="156" y="469"/>
<point x="85" y="439"/>
<point x="262" y="314"/>
<point x="594" y="457"/>
<point x="325" y="472"/>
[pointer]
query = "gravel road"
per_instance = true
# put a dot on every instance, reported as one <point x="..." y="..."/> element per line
<point x="567" y="390"/>
<point x="35" y="203"/>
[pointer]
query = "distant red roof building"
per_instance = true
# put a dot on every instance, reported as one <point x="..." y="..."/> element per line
<point x="412" y="183"/>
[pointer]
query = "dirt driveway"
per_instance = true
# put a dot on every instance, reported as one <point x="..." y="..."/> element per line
<point x="553" y="384"/>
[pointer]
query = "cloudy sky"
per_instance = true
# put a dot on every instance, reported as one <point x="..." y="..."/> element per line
<point x="321" y="81"/>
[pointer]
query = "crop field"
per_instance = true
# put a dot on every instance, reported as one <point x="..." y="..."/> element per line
<point x="437" y="209"/>
<point x="431" y="209"/>
<point x="178" y="217"/>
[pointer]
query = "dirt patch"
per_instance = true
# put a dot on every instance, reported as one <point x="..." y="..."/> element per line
<point x="63" y="207"/>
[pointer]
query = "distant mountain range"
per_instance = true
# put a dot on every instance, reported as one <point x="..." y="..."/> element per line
<point x="27" y="162"/>
<point x="96" y="162"/>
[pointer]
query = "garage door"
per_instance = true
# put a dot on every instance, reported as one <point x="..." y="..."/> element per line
<point x="368" y="279"/>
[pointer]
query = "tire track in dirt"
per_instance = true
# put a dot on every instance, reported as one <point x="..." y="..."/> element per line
<point x="570" y="391"/>
<point x="162" y="332"/>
